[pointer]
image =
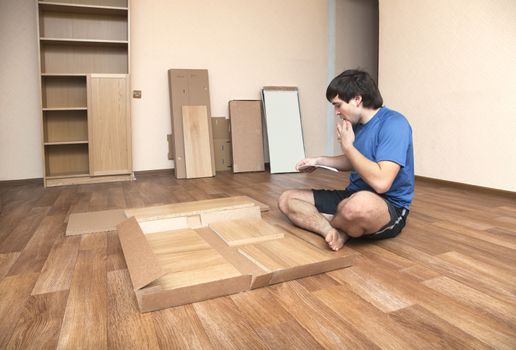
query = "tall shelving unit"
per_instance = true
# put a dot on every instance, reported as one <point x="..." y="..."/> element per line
<point x="84" y="66"/>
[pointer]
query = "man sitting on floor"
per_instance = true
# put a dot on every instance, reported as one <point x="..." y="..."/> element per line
<point x="376" y="143"/>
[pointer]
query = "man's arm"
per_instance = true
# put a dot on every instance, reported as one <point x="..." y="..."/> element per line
<point x="338" y="162"/>
<point x="379" y="176"/>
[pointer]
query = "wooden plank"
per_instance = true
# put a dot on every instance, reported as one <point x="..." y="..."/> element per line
<point x="288" y="335"/>
<point x="284" y="253"/>
<point x="197" y="142"/>
<point x="127" y="328"/>
<point x="433" y="330"/>
<point x="40" y="322"/>
<point x="191" y="208"/>
<point x="246" y="231"/>
<point x="85" y="318"/>
<point x="14" y="293"/>
<point x="188" y="260"/>
<point x="35" y="253"/>
<point x="209" y="218"/>
<point x="116" y="260"/>
<point x="326" y="326"/>
<point x="57" y="272"/>
<point x="225" y="326"/>
<point x="6" y="261"/>
<point x="246" y="135"/>
<point x="180" y="328"/>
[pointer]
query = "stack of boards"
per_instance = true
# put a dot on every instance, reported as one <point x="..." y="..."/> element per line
<point x="188" y="252"/>
<point x="199" y="147"/>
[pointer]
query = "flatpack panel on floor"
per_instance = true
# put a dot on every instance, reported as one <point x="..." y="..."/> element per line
<point x="223" y="256"/>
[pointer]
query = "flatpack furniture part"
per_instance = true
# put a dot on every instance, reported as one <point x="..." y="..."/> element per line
<point x="221" y="143"/>
<point x="84" y="69"/>
<point x="197" y="139"/>
<point x="177" y="215"/>
<point x="284" y="128"/>
<point x="246" y="135"/>
<point x="188" y="87"/>
<point x="176" y="266"/>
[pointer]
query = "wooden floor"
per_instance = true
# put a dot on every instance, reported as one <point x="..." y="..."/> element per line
<point x="448" y="281"/>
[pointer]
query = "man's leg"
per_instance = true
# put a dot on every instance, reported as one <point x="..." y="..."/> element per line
<point x="299" y="207"/>
<point x="363" y="213"/>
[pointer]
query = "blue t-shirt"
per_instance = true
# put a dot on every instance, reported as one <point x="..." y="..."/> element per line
<point x="387" y="136"/>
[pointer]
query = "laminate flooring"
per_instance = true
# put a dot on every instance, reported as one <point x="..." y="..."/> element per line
<point x="448" y="281"/>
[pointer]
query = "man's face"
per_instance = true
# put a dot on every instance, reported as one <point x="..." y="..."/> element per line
<point x="347" y="110"/>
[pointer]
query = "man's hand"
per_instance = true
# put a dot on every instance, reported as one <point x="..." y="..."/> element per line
<point x="306" y="165"/>
<point x="345" y="135"/>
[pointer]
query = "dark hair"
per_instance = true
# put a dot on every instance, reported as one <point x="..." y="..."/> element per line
<point x="354" y="82"/>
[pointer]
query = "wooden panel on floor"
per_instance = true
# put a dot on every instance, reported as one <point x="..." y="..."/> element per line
<point x="191" y="208"/>
<point x="246" y="231"/>
<point x="57" y="272"/>
<point x="40" y="322"/>
<point x="197" y="142"/>
<point x="188" y="260"/>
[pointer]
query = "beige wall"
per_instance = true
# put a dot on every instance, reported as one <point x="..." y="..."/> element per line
<point x="245" y="45"/>
<point x="450" y="67"/>
<point x="20" y="119"/>
<point x="356" y="42"/>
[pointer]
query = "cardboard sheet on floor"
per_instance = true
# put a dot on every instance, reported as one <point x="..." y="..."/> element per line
<point x="92" y="222"/>
<point x="181" y="266"/>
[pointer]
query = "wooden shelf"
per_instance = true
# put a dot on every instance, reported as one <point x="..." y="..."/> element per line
<point x="87" y="42"/>
<point x="77" y="8"/>
<point x="67" y="174"/>
<point x="63" y="75"/>
<point x="65" y="143"/>
<point x="65" y="109"/>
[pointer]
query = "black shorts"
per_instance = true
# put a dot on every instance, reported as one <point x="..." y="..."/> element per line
<point x="326" y="201"/>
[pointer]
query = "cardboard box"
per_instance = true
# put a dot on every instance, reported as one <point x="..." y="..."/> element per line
<point x="222" y="144"/>
<point x="184" y="257"/>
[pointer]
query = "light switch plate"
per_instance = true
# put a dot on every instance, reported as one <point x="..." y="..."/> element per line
<point x="137" y="93"/>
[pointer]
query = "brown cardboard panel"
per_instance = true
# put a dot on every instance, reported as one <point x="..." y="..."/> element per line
<point x="97" y="221"/>
<point x="187" y="87"/>
<point x="220" y="127"/>
<point x="246" y="231"/>
<point x="246" y="135"/>
<point x="179" y="96"/>
<point x="198" y="146"/>
<point x="192" y="208"/>
<point x="223" y="157"/>
<point x="142" y="264"/>
<point x="163" y="299"/>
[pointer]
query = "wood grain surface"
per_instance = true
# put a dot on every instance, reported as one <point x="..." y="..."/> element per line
<point x="446" y="282"/>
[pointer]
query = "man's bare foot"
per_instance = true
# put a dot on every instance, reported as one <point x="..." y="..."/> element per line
<point x="336" y="239"/>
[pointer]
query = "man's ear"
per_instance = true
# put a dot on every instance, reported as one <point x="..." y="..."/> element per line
<point x="357" y="100"/>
